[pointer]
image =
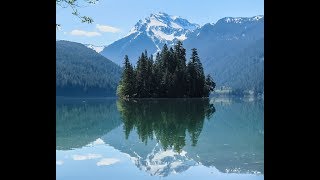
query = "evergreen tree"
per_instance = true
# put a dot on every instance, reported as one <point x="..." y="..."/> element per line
<point x="191" y="79"/>
<point x="141" y="77"/>
<point x="164" y="64"/>
<point x="126" y="87"/>
<point x="196" y="75"/>
<point x="156" y="76"/>
<point x="149" y="84"/>
<point x="171" y="61"/>
<point x="164" y="57"/>
<point x="180" y="71"/>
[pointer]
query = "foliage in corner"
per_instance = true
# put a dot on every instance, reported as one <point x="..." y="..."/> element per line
<point x="74" y="5"/>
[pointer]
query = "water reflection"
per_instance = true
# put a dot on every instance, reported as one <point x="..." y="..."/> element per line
<point x="79" y="122"/>
<point x="233" y="140"/>
<point x="160" y="137"/>
<point x="166" y="120"/>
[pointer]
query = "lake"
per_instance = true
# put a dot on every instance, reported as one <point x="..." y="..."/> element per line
<point x="215" y="138"/>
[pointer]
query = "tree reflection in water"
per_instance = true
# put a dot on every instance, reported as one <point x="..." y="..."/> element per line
<point x="166" y="120"/>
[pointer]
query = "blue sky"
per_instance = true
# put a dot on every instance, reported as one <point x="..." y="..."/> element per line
<point x="113" y="19"/>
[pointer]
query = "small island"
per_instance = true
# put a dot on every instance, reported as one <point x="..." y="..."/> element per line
<point x="167" y="77"/>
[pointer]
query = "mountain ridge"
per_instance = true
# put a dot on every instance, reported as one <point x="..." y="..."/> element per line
<point x="222" y="46"/>
<point x="81" y="71"/>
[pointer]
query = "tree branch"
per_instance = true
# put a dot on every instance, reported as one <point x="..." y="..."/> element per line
<point x="74" y="5"/>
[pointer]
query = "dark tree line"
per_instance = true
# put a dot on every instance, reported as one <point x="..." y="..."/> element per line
<point x="167" y="76"/>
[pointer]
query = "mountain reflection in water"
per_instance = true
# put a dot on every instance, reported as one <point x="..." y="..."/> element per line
<point x="168" y="136"/>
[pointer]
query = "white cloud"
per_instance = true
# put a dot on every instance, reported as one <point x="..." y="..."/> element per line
<point x="59" y="162"/>
<point x="86" y="157"/>
<point x="107" y="161"/>
<point x="77" y="32"/>
<point x="105" y="28"/>
<point x="64" y="32"/>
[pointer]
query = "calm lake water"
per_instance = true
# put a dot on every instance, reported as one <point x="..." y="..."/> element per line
<point x="217" y="138"/>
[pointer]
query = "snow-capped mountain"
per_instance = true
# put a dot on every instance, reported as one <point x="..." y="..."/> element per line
<point x="151" y="34"/>
<point x="164" y="28"/>
<point x="231" y="49"/>
<point x="98" y="49"/>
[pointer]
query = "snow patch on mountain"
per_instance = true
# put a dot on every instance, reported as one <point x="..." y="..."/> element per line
<point x="235" y="20"/>
<point x="163" y="36"/>
<point x="174" y="17"/>
<point x="240" y="20"/>
<point x="182" y="37"/>
<point x="175" y="25"/>
<point x="257" y="18"/>
<point x="98" y="49"/>
<point x="153" y="21"/>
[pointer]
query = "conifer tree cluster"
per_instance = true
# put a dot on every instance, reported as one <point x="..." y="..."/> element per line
<point x="167" y="77"/>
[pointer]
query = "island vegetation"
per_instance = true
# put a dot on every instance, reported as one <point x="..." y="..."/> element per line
<point x="168" y="76"/>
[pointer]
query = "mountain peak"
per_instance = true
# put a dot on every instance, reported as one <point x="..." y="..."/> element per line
<point x="163" y="15"/>
<point x="163" y="27"/>
<point x="159" y="14"/>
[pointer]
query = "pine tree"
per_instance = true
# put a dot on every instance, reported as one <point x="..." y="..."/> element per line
<point x="156" y="76"/>
<point x="196" y="76"/>
<point x="180" y="72"/>
<point x="164" y="64"/>
<point x="164" y="57"/>
<point x="171" y="61"/>
<point x="126" y="86"/>
<point x="180" y="55"/>
<point x="149" y="84"/>
<point x="191" y="79"/>
<point x="141" y="76"/>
